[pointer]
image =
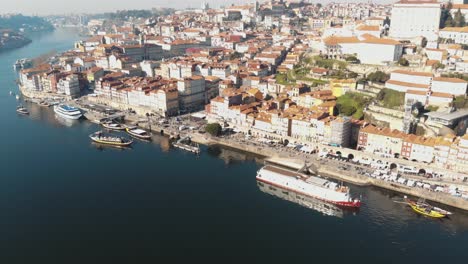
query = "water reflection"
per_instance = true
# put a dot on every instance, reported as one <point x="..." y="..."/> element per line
<point x="103" y="147"/>
<point x="309" y="202"/>
<point x="378" y="204"/>
<point x="66" y="122"/>
<point x="231" y="156"/>
<point x="163" y="142"/>
<point x="47" y="115"/>
<point x="381" y="208"/>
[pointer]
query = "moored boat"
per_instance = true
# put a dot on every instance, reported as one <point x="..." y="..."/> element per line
<point x="67" y="111"/>
<point x="423" y="208"/>
<point x="22" y="110"/>
<point x="101" y="138"/>
<point x="138" y="133"/>
<point x="113" y="126"/>
<point x="44" y="103"/>
<point x="311" y="186"/>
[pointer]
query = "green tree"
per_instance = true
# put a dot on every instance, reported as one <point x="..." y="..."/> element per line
<point x="459" y="19"/>
<point x="449" y="22"/>
<point x="378" y="76"/>
<point x="424" y="42"/>
<point x="347" y="110"/>
<point x="446" y="19"/>
<point x="438" y="65"/>
<point x="235" y="55"/>
<point x="352" y="104"/>
<point x="390" y="98"/>
<point x="351" y="75"/>
<point x="381" y="95"/>
<point x="352" y="59"/>
<point x="213" y="129"/>
<point x="387" y="21"/>
<point x="403" y="62"/>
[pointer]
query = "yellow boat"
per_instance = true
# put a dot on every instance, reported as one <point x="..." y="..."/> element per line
<point x="100" y="138"/>
<point x="426" y="210"/>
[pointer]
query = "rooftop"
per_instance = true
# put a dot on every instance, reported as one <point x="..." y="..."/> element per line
<point x="448" y="116"/>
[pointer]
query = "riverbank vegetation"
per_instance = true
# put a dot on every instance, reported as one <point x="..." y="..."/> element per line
<point x="213" y="129"/>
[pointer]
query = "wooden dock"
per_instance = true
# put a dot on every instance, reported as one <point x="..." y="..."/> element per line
<point x="185" y="144"/>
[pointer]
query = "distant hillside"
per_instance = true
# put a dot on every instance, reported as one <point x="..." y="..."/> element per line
<point x="18" y="22"/>
<point x="126" y="14"/>
<point x="10" y="39"/>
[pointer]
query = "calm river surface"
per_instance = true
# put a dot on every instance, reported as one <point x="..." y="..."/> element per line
<point x="64" y="200"/>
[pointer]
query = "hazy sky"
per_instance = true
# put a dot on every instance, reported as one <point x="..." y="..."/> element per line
<point x="44" y="7"/>
<point x="95" y="6"/>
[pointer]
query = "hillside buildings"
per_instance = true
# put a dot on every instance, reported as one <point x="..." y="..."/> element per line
<point x="423" y="87"/>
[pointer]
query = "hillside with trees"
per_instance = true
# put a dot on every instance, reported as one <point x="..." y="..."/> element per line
<point x="18" y="22"/>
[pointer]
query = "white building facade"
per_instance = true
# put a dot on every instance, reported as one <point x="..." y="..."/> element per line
<point x="412" y="19"/>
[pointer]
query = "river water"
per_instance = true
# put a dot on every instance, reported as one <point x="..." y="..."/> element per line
<point x="64" y="200"/>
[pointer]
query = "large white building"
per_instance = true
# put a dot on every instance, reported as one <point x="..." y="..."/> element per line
<point x="458" y="34"/>
<point x="403" y="81"/>
<point x="415" y="18"/>
<point x="425" y="88"/>
<point x="367" y="48"/>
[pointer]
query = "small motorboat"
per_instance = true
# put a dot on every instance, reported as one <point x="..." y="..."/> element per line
<point x="421" y="207"/>
<point x="113" y="126"/>
<point x="101" y="138"/>
<point x="17" y="97"/>
<point x="138" y="133"/>
<point x="22" y="110"/>
<point x="44" y="103"/>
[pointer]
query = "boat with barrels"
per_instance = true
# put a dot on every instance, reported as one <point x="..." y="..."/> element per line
<point x="102" y="138"/>
<point x="423" y="208"/>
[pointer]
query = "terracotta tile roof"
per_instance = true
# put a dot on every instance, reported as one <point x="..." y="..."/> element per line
<point x="446" y="79"/>
<point x="431" y="62"/>
<point x="433" y="94"/>
<point x="371" y="129"/>
<point x="218" y="99"/>
<point x="407" y="84"/>
<point x="333" y="40"/>
<point x="367" y="28"/>
<point x="42" y="67"/>
<point x="459" y="6"/>
<point x="426" y="74"/>
<point x="456" y="29"/>
<point x="381" y="41"/>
